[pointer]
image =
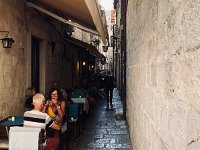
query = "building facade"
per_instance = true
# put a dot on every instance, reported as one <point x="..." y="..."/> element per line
<point x="39" y="55"/>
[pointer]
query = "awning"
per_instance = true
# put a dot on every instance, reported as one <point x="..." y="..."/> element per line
<point x="92" y="49"/>
<point x="84" y="12"/>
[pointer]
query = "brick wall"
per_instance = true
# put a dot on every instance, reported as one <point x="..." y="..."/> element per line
<point x="163" y="74"/>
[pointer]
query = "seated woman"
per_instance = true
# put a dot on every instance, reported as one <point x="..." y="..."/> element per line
<point x="55" y="108"/>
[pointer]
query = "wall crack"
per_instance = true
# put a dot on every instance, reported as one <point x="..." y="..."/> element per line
<point x="193" y="141"/>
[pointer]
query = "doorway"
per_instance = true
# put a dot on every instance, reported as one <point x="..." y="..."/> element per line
<point x="35" y="63"/>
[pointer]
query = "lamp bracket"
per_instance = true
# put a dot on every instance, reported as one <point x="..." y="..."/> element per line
<point x="5" y="34"/>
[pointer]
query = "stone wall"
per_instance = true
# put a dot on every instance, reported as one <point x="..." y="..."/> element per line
<point x="163" y="74"/>
<point x="117" y="68"/>
<point x="12" y="61"/>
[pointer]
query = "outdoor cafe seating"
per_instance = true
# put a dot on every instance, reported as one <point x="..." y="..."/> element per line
<point x="73" y="118"/>
<point x="24" y="138"/>
<point x="5" y="125"/>
<point x="12" y="126"/>
<point x="78" y="96"/>
<point x="14" y="136"/>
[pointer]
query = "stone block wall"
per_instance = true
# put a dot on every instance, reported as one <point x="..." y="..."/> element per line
<point x="163" y="74"/>
<point x="12" y="61"/>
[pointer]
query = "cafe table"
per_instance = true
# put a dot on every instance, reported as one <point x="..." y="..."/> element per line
<point x="12" y="121"/>
<point x="84" y="101"/>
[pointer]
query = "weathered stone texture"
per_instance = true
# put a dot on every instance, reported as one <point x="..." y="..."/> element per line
<point x="12" y="71"/>
<point x="163" y="74"/>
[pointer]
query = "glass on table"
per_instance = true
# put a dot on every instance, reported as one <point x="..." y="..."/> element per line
<point x="12" y="118"/>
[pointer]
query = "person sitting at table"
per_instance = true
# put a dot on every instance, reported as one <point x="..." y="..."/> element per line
<point x="55" y="84"/>
<point x="86" y="88"/>
<point x="39" y="119"/>
<point x="56" y="110"/>
<point x="56" y="106"/>
<point x="30" y="92"/>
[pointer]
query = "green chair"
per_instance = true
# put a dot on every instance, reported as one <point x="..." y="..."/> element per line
<point x="73" y="118"/>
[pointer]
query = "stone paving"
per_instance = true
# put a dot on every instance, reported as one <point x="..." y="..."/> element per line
<point x="101" y="130"/>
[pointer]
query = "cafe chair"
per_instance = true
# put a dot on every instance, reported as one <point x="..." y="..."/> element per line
<point x="64" y="139"/>
<point x="83" y="101"/>
<point x="63" y="143"/>
<point x="81" y="115"/>
<point x="22" y="137"/>
<point x="4" y="144"/>
<point x="73" y="118"/>
<point x="101" y="94"/>
<point x="42" y="139"/>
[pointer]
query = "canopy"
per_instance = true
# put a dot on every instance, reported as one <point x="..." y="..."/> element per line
<point x="92" y="49"/>
<point x="84" y="12"/>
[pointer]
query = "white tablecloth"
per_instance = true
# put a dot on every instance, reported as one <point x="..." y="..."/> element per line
<point x="23" y="138"/>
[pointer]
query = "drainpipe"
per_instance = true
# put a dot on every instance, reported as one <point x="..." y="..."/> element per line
<point x="123" y="55"/>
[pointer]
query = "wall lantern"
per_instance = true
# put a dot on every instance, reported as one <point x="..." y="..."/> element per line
<point x="83" y="63"/>
<point x="69" y="29"/>
<point x="96" y="41"/>
<point x="7" y="42"/>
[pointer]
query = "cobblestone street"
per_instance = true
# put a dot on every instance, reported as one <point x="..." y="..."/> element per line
<point x="101" y="130"/>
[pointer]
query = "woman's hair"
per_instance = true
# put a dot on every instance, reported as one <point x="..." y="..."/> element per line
<point x="59" y="93"/>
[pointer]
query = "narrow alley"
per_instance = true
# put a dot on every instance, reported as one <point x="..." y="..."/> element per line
<point x="102" y="130"/>
<point x="56" y="56"/>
